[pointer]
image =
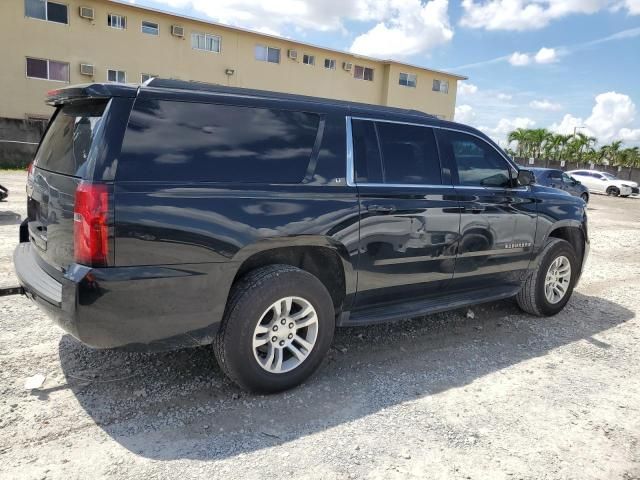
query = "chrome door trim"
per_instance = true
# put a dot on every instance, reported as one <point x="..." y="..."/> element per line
<point x="350" y="159"/>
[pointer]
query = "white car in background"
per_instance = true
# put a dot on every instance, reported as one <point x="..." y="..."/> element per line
<point x="603" y="182"/>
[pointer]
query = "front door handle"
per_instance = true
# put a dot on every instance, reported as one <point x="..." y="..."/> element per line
<point x="381" y="208"/>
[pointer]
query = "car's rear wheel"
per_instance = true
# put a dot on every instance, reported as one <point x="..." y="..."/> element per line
<point x="613" y="191"/>
<point x="548" y="288"/>
<point x="277" y="328"/>
<point x="585" y="197"/>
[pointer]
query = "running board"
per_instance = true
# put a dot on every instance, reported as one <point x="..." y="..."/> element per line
<point x="6" y="291"/>
<point x="401" y="311"/>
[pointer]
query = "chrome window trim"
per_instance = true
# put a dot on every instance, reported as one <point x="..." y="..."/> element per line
<point x="351" y="165"/>
<point x="406" y="185"/>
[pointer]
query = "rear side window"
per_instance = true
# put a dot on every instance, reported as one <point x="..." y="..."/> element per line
<point x="66" y="145"/>
<point x="477" y="162"/>
<point x="368" y="164"/>
<point x="409" y="154"/>
<point x="192" y="142"/>
<point x="395" y="153"/>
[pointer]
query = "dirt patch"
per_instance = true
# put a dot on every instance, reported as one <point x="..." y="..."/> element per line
<point x="502" y="396"/>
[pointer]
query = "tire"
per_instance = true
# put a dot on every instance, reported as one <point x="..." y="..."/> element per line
<point x="585" y="197"/>
<point x="532" y="298"/>
<point x="254" y="301"/>
<point x="613" y="191"/>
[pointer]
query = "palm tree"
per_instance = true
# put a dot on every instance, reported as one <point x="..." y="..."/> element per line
<point x="536" y="139"/>
<point x="581" y="144"/>
<point x="630" y="157"/>
<point x="520" y="136"/>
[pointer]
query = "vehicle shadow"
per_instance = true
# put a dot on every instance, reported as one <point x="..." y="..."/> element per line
<point x="10" y="218"/>
<point x="178" y="405"/>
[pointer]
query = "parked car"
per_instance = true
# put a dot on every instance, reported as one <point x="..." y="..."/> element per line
<point x="604" y="182"/>
<point x="179" y="214"/>
<point x="551" y="177"/>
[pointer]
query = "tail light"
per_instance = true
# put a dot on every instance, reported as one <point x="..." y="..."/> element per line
<point x="30" y="169"/>
<point x="90" y="224"/>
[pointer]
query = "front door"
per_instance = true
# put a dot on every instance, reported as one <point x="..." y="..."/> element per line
<point x="498" y="219"/>
<point x="409" y="217"/>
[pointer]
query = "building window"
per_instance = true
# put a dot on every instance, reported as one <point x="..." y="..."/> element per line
<point x="150" y="28"/>
<point x="45" y="10"/>
<point x="117" y="76"/>
<point x="48" y="70"/>
<point x="309" y="59"/>
<point x="441" y="86"/>
<point x="408" y="80"/>
<point x="330" y="63"/>
<point x="204" y="41"/>
<point x="363" y="73"/>
<point x="267" y="54"/>
<point x="117" y="21"/>
<point x="145" y="77"/>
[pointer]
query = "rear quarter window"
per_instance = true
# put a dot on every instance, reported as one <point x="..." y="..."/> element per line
<point x="196" y="142"/>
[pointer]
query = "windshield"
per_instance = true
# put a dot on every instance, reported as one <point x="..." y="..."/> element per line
<point x="65" y="147"/>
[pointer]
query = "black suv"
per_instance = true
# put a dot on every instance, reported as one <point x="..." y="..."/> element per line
<point x="181" y="214"/>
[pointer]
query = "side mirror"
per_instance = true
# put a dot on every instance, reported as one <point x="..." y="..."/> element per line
<point x="525" y="177"/>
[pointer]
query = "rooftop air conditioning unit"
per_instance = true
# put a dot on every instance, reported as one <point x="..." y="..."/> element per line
<point x="347" y="66"/>
<point x="86" y="69"/>
<point x="87" y="12"/>
<point x="292" y="54"/>
<point x="177" y="31"/>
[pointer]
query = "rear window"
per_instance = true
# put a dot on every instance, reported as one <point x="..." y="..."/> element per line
<point x="65" y="147"/>
<point x="393" y="153"/>
<point x="191" y="142"/>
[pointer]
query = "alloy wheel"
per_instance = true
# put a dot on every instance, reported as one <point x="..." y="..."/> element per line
<point x="285" y="335"/>
<point x="557" y="280"/>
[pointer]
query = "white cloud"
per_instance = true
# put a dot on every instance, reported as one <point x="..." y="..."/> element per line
<point x="633" y="6"/>
<point x="466" y="88"/>
<point x="504" y="96"/>
<point x="546" y="55"/>
<point x="465" y="114"/>
<point x="545" y="105"/>
<point x="504" y="126"/>
<point x="612" y="118"/>
<point x="518" y="59"/>
<point x="532" y="14"/>
<point x="411" y="28"/>
<point x="401" y="27"/>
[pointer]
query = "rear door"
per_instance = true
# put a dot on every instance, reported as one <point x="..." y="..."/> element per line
<point x="60" y="164"/>
<point x="409" y="218"/>
<point x="498" y="219"/>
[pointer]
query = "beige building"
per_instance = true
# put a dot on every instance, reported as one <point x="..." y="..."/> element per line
<point x="49" y="43"/>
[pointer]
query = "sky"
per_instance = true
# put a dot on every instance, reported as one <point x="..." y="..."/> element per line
<point x="555" y="64"/>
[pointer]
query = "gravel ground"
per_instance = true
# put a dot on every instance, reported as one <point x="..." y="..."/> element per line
<point x="501" y="395"/>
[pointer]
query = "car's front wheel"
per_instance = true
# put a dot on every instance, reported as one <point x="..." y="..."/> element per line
<point x="585" y="197"/>
<point x="277" y="328"/>
<point x="548" y="288"/>
<point x="613" y="191"/>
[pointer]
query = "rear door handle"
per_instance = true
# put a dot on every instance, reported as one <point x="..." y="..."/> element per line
<point x="475" y="208"/>
<point x="381" y="208"/>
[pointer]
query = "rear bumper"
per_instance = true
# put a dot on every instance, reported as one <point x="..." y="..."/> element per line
<point x="139" y="308"/>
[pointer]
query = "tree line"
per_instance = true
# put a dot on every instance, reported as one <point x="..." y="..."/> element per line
<point x="541" y="144"/>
